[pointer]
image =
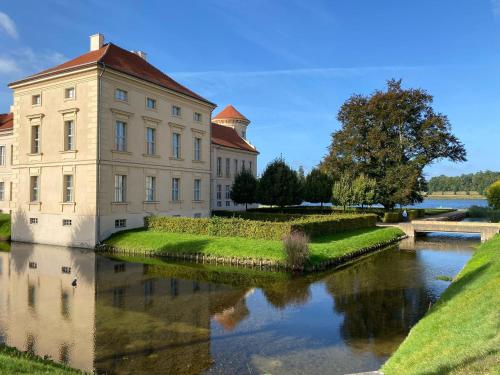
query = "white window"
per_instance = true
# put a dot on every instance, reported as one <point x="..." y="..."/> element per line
<point x="219" y="167"/>
<point x="219" y="204"/>
<point x="2" y="190"/>
<point x="35" y="139"/>
<point x="228" y="167"/>
<point x="176" y="145"/>
<point x="175" y="189"/>
<point x="197" y="149"/>
<point x="69" y="135"/>
<point x="176" y="111"/>
<point x="34" y="188"/>
<point x="151" y="141"/>
<point x="3" y="155"/>
<point x="197" y="189"/>
<point x="120" y="188"/>
<point x="36" y="99"/>
<point x="66" y="222"/>
<point x="66" y="270"/>
<point x="121" y="95"/>
<point x="197" y="116"/>
<point x="150" y="188"/>
<point x="235" y="167"/>
<point x="228" y="191"/>
<point x="219" y="192"/>
<point x="151" y="103"/>
<point x="228" y="203"/>
<point x="33" y="220"/>
<point x="120" y="223"/>
<point x="121" y="136"/>
<point x="68" y="188"/>
<point x="69" y="93"/>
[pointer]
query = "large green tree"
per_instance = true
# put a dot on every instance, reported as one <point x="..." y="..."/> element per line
<point x="391" y="136"/>
<point x="343" y="192"/>
<point x="317" y="187"/>
<point x="493" y="195"/>
<point x="244" y="189"/>
<point x="279" y="185"/>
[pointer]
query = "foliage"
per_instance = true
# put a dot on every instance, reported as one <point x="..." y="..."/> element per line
<point x="317" y="187"/>
<point x="493" y="195"/>
<point x="466" y="182"/>
<point x="364" y="190"/>
<point x="279" y="185"/>
<point x="459" y="335"/>
<point x="391" y="136"/>
<point x="13" y="361"/>
<point x="342" y="191"/>
<point x="267" y="230"/>
<point x="484" y="213"/>
<point x="296" y="246"/>
<point x="321" y="248"/>
<point x="4" y="227"/>
<point x="392" y="217"/>
<point x="244" y="189"/>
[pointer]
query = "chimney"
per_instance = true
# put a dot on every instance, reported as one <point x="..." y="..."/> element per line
<point x="141" y="54"/>
<point x="96" y="41"/>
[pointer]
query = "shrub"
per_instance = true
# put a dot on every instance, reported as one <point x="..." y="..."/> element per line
<point x="485" y="213"/>
<point x="393" y="217"/>
<point x="296" y="247"/>
<point x="412" y="214"/>
<point x="259" y="229"/>
<point x="493" y="195"/>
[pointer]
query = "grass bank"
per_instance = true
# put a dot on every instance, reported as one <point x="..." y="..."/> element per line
<point x="460" y="334"/>
<point x="4" y="227"/>
<point x="322" y="248"/>
<point x="13" y="361"/>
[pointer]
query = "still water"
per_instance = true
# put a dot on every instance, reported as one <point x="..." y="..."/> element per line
<point x="128" y="317"/>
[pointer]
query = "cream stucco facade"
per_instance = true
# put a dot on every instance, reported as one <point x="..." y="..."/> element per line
<point x="96" y="147"/>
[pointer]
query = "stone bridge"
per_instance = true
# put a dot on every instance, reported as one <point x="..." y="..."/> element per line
<point x="486" y="230"/>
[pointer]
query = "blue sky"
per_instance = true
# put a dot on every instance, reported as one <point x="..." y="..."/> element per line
<point x="287" y="65"/>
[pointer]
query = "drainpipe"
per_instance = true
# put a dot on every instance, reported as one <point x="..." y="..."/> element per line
<point x="98" y="205"/>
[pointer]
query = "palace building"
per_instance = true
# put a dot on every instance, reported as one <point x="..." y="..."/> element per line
<point x="93" y="145"/>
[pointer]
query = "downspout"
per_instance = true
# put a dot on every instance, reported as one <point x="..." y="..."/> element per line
<point x="98" y="205"/>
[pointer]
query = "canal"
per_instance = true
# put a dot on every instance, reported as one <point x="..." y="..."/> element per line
<point x="132" y="316"/>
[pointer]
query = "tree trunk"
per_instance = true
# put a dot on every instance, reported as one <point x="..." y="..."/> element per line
<point x="246" y="206"/>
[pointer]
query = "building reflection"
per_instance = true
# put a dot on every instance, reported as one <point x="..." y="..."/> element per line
<point x="40" y="311"/>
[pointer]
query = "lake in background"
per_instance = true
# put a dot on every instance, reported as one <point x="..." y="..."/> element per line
<point x="128" y="317"/>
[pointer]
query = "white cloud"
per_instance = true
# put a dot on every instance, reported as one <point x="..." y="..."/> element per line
<point x="495" y="6"/>
<point x="8" y="26"/>
<point x="8" y="66"/>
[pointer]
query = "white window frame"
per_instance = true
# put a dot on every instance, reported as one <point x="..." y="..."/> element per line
<point x="176" y="111"/>
<point x="35" y="138"/>
<point x="176" y="181"/>
<point x="3" y="155"/>
<point x="152" y="101"/>
<point x="120" y="195"/>
<point x="218" y="192"/>
<point x="150" y="141"/>
<point x="227" y="191"/>
<point x="219" y="166"/>
<point x="228" y="167"/>
<point x="176" y="145"/>
<point x="120" y="136"/>
<point x="2" y="190"/>
<point x="36" y="100"/>
<point x="69" y="135"/>
<point x="68" y="188"/>
<point x="197" y="116"/>
<point x="121" y="95"/>
<point x="197" y="149"/>
<point x="68" y="90"/>
<point x="34" y="188"/>
<point x="150" y="188"/>
<point x="197" y="189"/>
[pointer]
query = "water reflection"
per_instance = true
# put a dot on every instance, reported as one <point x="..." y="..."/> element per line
<point x="127" y="316"/>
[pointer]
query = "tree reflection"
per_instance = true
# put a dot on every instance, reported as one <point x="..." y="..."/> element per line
<point x="378" y="304"/>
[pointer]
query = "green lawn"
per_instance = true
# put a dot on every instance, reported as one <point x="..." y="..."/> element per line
<point x="322" y="248"/>
<point x="15" y="362"/>
<point x="4" y="226"/>
<point x="460" y="334"/>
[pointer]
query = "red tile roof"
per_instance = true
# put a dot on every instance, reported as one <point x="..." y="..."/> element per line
<point x="227" y="137"/>
<point x="6" y="121"/>
<point x="230" y="113"/>
<point x="124" y="61"/>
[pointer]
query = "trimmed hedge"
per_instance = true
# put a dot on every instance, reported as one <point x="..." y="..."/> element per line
<point x="392" y="217"/>
<point x="266" y="230"/>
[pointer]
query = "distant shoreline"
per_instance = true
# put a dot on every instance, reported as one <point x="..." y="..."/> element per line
<point x="452" y="196"/>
